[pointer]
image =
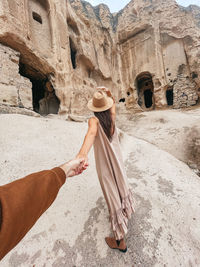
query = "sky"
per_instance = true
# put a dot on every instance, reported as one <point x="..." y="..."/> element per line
<point x="116" y="5"/>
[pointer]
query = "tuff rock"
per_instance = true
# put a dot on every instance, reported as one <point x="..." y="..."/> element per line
<point x="55" y="53"/>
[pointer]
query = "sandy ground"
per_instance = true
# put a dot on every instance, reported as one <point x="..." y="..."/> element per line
<point x="164" y="230"/>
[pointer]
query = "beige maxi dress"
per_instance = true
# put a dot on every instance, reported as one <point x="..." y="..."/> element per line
<point x="113" y="180"/>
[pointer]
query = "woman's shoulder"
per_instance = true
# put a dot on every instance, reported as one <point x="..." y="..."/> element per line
<point x="93" y="120"/>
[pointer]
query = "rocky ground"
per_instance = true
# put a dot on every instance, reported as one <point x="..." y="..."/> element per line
<point x="164" y="230"/>
<point x="177" y="132"/>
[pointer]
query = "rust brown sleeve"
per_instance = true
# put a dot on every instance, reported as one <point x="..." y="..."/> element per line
<point x="23" y="202"/>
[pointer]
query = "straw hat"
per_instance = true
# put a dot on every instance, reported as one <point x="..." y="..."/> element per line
<point x="100" y="102"/>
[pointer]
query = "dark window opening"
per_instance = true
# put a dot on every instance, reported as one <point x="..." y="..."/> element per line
<point x="170" y="97"/>
<point x="194" y="75"/>
<point x="145" y="94"/>
<point x="44" y="99"/>
<point x="73" y="58"/>
<point x="148" y="98"/>
<point x="73" y="52"/>
<point x="37" y="17"/>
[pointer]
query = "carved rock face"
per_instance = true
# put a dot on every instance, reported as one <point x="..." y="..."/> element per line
<point x="77" y="47"/>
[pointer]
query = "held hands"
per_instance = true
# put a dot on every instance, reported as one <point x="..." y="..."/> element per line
<point x="84" y="157"/>
<point x="74" y="167"/>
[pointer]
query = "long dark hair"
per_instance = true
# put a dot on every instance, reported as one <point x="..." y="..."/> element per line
<point x="106" y="122"/>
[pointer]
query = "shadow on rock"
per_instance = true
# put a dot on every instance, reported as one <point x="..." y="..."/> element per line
<point x="193" y="148"/>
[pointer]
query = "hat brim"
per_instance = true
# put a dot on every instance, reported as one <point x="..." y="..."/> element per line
<point x="104" y="108"/>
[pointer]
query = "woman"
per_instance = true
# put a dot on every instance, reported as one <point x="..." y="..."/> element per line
<point x="109" y="164"/>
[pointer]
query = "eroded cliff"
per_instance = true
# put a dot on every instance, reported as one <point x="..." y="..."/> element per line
<point x="148" y="54"/>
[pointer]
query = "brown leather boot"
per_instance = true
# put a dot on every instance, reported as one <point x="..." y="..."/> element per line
<point x="116" y="244"/>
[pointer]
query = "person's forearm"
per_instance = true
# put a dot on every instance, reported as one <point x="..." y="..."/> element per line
<point x="113" y="109"/>
<point x="87" y="144"/>
<point x="23" y="202"/>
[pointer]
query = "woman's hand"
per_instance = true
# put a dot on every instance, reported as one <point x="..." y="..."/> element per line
<point x="105" y="90"/>
<point x="85" y="158"/>
<point x="74" y="167"/>
<point x="108" y="92"/>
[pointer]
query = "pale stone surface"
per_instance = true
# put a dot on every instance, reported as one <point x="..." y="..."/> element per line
<point x="163" y="232"/>
<point x="15" y="90"/>
<point x="6" y="109"/>
<point x="9" y="95"/>
<point x="77" y="118"/>
<point x="148" y="54"/>
<point x="139" y="53"/>
<point x="159" y="38"/>
<point x="177" y="132"/>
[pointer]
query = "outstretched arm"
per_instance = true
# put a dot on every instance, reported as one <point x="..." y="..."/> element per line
<point x="89" y="138"/>
<point x="113" y="108"/>
<point x="23" y="201"/>
<point x="113" y="111"/>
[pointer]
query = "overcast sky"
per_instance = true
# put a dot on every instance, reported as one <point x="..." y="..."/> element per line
<point x="116" y="5"/>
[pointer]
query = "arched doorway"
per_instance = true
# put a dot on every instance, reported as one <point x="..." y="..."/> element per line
<point x="44" y="98"/>
<point x="145" y="90"/>
<point x="170" y="96"/>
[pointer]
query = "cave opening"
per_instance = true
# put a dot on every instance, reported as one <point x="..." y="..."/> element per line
<point x="44" y="99"/>
<point x="170" y="97"/>
<point x="73" y="53"/>
<point x="145" y="90"/>
<point x="37" y="17"/>
<point x="148" y="98"/>
<point x="122" y="100"/>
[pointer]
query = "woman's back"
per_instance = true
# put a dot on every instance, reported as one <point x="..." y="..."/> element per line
<point x="103" y="147"/>
<point x="113" y="180"/>
<point x="102" y="133"/>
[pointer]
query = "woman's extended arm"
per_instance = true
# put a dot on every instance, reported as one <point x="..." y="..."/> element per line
<point x="89" y="138"/>
<point x="113" y="111"/>
<point x="113" y="108"/>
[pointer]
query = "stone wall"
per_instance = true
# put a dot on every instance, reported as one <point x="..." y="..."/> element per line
<point x="15" y="90"/>
<point x="93" y="41"/>
<point x="39" y="22"/>
<point x="148" y="54"/>
<point x="185" y="93"/>
<point x="159" y="39"/>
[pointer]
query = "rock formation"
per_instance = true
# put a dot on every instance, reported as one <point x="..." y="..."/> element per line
<point x="148" y="54"/>
<point x="164" y="231"/>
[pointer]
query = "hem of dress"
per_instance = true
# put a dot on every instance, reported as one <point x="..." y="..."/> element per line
<point x="119" y="220"/>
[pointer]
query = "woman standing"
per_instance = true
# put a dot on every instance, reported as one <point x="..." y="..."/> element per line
<point x="102" y="133"/>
